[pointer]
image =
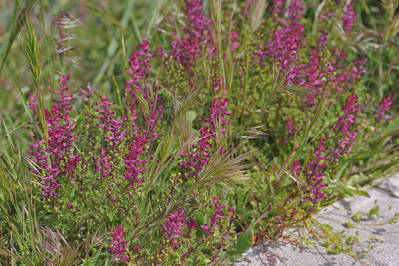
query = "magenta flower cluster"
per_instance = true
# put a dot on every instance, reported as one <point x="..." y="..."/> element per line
<point x="54" y="154"/>
<point x="345" y="138"/>
<point x="315" y="74"/>
<point x="126" y="137"/>
<point x="139" y="134"/>
<point x="345" y="128"/>
<point x="139" y="71"/>
<point x="219" y="115"/>
<point x="217" y="216"/>
<point x="174" y="225"/>
<point x="349" y="17"/>
<point x="112" y="126"/>
<point x="143" y="134"/>
<point x="318" y="75"/>
<point x="384" y="107"/>
<point x="196" y="39"/>
<point x="216" y="220"/>
<point x="288" y="39"/>
<point x="113" y="157"/>
<point x="114" y="134"/>
<point x="195" y="36"/>
<point x="119" y="245"/>
<point x="197" y="158"/>
<point x="315" y="172"/>
<point x="177" y="221"/>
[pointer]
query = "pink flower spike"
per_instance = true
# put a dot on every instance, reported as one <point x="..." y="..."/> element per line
<point x="59" y="142"/>
<point x="196" y="35"/>
<point x="119" y="245"/>
<point x="385" y="106"/>
<point x="192" y="225"/>
<point x="174" y="225"/>
<point x="349" y="17"/>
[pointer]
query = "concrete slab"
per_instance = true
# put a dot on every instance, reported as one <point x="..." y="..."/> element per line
<point x="372" y="232"/>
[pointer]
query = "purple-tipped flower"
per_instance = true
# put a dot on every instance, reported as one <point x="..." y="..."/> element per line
<point x="219" y="210"/>
<point x="192" y="225"/>
<point x="103" y="164"/>
<point x="64" y="103"/>
<point x="134" y="164"/>
<point x="385" y="106"/>
<point x="88" y="92"/>
<point x="278" y="8"/>
<point x="139" y="73"/>
<point x="139" y="70"/>
<point x="288" y="39"/>
<point x="290" y="123"/>
<point x="174" y="225"/>
<point x="50" y="183"/>
<point x="113" y="128"/>
<point x="196" y="35"/>
<point x="219" y="114"/>
<point x="296" y="168"/>
<point x="314" y="173"/>
<point x="345" y="127"/>
<point x="234" y="41"/>
<point x="143" y="124"/>
<point x="34" y="104"/>
<point x="198" y="156"/>
<point x="114" y="134"/>
<point x="53" y="155"/>
<point x="217" y="217"/>
<point x="346" y="135"/>
<point x="349" y="17"/>
<point x="119" y="245"/>
<point x="194" y="161"/>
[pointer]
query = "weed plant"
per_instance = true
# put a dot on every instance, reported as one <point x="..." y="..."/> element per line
<point x="229" y="122"/>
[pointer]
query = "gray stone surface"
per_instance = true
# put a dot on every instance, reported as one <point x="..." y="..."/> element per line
<point x="371" y="231"/>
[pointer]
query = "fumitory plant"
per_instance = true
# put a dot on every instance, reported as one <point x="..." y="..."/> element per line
<point x="110" y="169"/>
<point x="229" y="122"/>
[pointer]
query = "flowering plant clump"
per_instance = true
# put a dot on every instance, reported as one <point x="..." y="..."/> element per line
<point x="233" y="121"/>
<point x="56" y="159"/>
<point x="109" y="171"/>
<point x="196" y="36"/>
<point x="119" y="248"/>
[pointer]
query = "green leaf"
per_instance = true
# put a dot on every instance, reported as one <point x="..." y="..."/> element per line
<point x="393" y="125"/>
<point x="359" y="192"/>
<point x="191" y="115"/>
<point x="374" y="211"/>
<point x="143" y="102"/>
<point x="242" y="198"/>
<point x="327" y="227"/>
<point x="395" y="219"/>
<point x="347" y="190"/>
<point x="200" y="218"/>
<point x="88" y="262"/>
<point x="243" y="243"/>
